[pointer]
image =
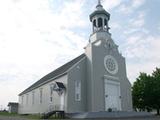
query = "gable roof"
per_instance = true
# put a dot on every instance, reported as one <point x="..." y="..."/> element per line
<point x="54" y="74"/>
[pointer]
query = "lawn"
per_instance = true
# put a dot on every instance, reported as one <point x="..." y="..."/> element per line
<point x="17" y="115"/>
<point x="35" y="117"/>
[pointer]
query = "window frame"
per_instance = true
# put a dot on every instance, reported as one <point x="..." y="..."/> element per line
<point x="22" y="99"/>
<point x="27" y="98"/>
<point x="40" y="95"/>
<point x="33" y="97"/>
<point x="77" y="90"/>
<point x="51" y="92"/>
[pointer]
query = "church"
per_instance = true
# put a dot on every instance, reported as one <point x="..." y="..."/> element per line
<point x="94" y="81"/>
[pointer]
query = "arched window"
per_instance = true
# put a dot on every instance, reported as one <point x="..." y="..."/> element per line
<point x="99" y="22"/>
<point x="94" y="23"/>
<point x="105" y="22"/>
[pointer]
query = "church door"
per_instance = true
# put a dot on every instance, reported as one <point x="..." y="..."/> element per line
<point x="112" y="95"/>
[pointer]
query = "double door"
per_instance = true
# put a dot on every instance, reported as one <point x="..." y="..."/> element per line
<point x="112" y="95"/>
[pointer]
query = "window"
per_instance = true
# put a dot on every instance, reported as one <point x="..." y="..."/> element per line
<point x="77" y="91"/>
<point x="51" y="99"/>
<point x="51" y="92"/>
<point x="99" y="22"/>
<point x="27" y="99"/>
<point x="105" y="23"/>
<point x="22" y="100"/>
<point x="40" y="95"/>
<point x="33" y="97"/>
<point x="94" y="23"/>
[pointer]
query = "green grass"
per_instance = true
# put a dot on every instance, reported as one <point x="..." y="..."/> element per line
<point x="8" y="114"/>
<point x="17" y="115"/>
<point x="30" y="116"/>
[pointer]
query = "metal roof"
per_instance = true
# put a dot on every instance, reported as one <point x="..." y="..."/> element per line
<point x="99" y="10"/>
<point x="60" y="85"/>
<point x="12" y="103"/>
<point x="96" y="12"/>
<point x="54" y="74"/>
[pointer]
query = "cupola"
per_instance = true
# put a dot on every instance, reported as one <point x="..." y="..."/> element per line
<point x="100" y="18"/>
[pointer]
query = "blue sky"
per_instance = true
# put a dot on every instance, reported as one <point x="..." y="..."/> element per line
<point x="37" y="36"/>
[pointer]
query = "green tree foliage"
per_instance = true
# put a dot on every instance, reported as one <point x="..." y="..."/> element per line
<point x="156" y="89"/>
<point x="146" y="91"/>
<point x="139" y="90"/>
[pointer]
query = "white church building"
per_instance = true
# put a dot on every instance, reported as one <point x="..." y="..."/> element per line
<point x="94" y="81"/>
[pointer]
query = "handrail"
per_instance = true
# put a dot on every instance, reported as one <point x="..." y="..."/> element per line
<point x="56" y="107"/>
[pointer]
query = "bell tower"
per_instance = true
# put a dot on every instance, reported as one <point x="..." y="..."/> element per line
<point x="99" y="19"/>
<point x="100" y="49"/>
<point x="107" y="83"/>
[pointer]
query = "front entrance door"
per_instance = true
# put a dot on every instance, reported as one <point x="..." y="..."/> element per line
<point x="112" y="95"/>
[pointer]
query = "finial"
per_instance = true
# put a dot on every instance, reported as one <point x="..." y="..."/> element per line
<point x="99" y="2"/>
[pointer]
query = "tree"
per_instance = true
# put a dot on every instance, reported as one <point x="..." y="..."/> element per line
<point x="156" y="90"/>
<point x="140" y="90"/>
<point x="146" y="91"/>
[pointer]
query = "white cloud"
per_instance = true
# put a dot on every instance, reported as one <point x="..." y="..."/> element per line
<point x="133" y="70"/>
<point x="115" y="25"/>
<point x="136" y="46"/>
<point x="136" y="24"/>
<point x="25" y="29"/>
<point x="130" y="30"/>
<point x="71" y="13"/>
<point x="130" y="8"/>
<point x="12" y="84"/>
<point x="137" y="3"/>
<point x="138" y="21"/>
<point x="142" y="54"/>
<point x="110" y="4"/>
<point x="32" y="36"/>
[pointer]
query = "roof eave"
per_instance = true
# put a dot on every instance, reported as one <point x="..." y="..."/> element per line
<point x="26" y="91"/>
<point x="99" y="12"/>
<point x="64" y="68"/>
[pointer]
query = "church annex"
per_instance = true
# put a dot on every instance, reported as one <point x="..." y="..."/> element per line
<point x="94" y="81"/>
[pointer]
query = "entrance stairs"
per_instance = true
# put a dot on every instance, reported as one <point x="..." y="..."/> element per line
<point x="58" y="114"/>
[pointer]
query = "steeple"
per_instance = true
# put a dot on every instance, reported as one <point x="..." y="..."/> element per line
<point x="99" y="19"/>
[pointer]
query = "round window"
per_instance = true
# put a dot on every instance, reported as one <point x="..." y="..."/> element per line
<point x="110" y="64"/>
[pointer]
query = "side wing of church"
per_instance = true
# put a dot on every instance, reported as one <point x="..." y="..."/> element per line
<point x="94" y="81"/>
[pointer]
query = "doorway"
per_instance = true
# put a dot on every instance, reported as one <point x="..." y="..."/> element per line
<point x="112" y="95"/>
